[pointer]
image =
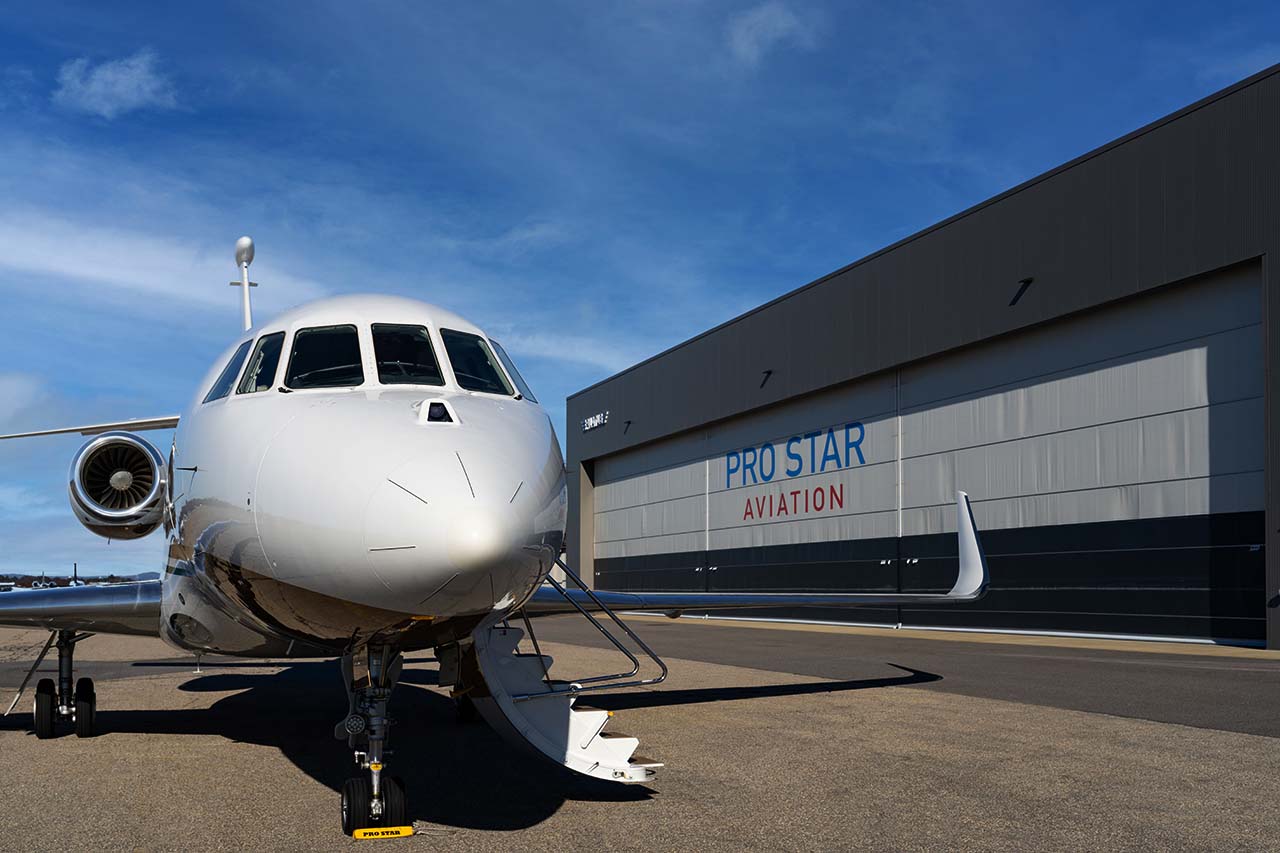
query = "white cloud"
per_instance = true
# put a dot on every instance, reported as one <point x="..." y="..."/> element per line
<point x="21" y="502"/>
<point x="17" y="392"/>
<point x="127" y="261"/>
<point x="52" y="541"/>
<point x="604" y="354"/>
<point x="114" y="88"/>
<point x="532" y="236"/>
<point x="759" y="30"/>
<point x="515" y="242"/>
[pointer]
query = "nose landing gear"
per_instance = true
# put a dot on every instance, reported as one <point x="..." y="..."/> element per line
<point x="375" y="800"/>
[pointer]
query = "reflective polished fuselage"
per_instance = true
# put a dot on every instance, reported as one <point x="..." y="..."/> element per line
<point x="307" y="521"/>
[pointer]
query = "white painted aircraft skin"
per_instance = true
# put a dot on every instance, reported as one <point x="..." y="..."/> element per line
<point x="320" y="514"/>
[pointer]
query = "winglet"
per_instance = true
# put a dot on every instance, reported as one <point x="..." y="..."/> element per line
<point x="972" y="580"/>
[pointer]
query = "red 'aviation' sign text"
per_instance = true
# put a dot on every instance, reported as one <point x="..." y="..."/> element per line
<point x="784" y="504"/>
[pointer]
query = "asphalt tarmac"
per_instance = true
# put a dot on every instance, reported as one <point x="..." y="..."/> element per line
<point x="1235" y="690"/>
<point x="773" y="739"/>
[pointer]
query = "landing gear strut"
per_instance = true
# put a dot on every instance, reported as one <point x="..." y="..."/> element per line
<point x="375" y="800"/>
<point x="58" y="702"/>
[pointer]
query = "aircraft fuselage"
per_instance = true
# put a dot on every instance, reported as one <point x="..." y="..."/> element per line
<point x="306" y="521"/>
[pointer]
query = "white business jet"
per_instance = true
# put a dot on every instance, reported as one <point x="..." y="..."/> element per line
<point x="358" y="478"/>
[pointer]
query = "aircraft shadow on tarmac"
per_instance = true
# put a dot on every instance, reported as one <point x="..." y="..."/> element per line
<point x="659" y="698"/>
<point x="460" y="775"/>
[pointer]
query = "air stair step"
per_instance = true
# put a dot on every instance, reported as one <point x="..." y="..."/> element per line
<point x="568" y="733"/>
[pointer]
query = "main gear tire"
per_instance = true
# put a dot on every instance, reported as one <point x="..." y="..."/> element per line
<point x="86" y="708"/>
<point x="46" y="708"/>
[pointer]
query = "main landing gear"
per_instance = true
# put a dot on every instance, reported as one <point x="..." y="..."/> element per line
<point x="57" y="702"/>
<point x="373" y="800"/>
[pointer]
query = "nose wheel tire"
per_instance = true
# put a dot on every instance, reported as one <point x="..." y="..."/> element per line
<point x="395" y="811"/>
<point x="46" y="708"/>
<point x="86" y="708"/>
<point x="355" y="805"/>
<point x="357" y="801"/>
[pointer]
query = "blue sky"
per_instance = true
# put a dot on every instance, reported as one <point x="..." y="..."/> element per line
<point x="592" y="183"/>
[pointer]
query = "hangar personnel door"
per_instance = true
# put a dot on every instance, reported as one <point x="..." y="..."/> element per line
<point x="1115" y="461"/>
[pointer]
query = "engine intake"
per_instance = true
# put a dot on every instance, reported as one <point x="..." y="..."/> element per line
<point x="119" y="486"/>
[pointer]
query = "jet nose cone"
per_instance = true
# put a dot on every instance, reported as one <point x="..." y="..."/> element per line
<point x="356" y="499"/>
<point x="429" y="540"/>
<point x="480" y="537"/>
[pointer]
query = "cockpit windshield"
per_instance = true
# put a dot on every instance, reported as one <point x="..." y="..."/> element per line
<point x="325" y="357"/>
<point x="262" y="366"/>
<point x="405" y="355"/>
<point x="512" y="372"/>
<point x="227" y="378"/>
<point x="473" y="363"/>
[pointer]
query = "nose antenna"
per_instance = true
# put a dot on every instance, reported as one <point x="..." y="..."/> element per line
<point x="244" y="257"/>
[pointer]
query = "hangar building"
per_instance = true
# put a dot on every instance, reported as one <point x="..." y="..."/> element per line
<point x="1091" y="355"/>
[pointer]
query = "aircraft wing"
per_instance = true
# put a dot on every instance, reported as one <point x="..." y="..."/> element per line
<point x="970" y="585"/>
<point x="126" y="608"/>
<point x="137" y="425"/>
<point x="130" y="608"/>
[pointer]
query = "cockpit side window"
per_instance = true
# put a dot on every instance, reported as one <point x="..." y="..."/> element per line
<point x="325" y="357"/>
<point x="473" y="363"/>
<point x="227" y="377"/>
<point x="512" y="372"/>
<point x="261" y="373"/>
<point x="405" y="355"/>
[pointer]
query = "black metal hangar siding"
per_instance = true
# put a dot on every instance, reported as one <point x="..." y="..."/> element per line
<point x="1091" y="355"/>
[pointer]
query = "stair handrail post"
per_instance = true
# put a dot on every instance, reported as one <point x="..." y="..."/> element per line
<point x="635" y="663"/>
<point x="593" y="683"/>
<point x="623" y="625"/>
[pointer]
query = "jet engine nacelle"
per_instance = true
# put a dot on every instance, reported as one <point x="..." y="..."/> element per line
<point x="119" y="486"/>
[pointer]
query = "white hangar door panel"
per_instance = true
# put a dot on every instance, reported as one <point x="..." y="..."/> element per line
<point x="1115" y="461"/>
<point x="1148" y="409"/>
<point x="650" y="518"/>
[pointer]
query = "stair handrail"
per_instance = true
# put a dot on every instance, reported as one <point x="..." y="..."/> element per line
<point x="587" y="685"/>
